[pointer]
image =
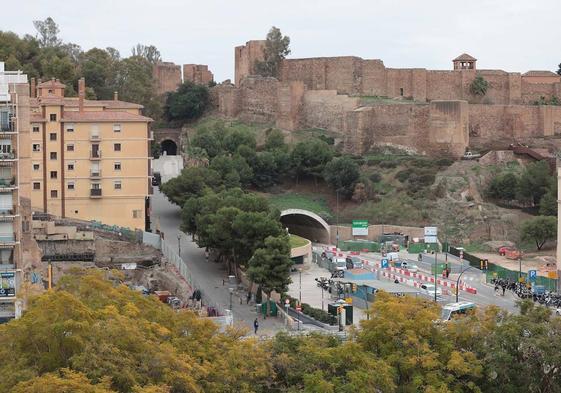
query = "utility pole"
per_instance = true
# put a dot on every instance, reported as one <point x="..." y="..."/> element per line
<point x="435" y="270"/>
<point x="231" y="294"/>
<point x="179" y="245"/>
<point x="337" y="238"/>
<point x="300" y="298"/>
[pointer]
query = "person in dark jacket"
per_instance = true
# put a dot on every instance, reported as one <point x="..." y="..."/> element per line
<point x="255" y="325"/>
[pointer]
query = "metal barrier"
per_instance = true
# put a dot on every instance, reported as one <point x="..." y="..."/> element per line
<point x="182" y="269"/>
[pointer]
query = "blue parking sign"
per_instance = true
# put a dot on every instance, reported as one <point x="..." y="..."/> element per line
<point x="532" y="275"/>
<point x="385" y="263"/>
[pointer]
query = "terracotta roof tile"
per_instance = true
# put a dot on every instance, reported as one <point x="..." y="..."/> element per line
<point x="73" y="102"/>
<point x="465" y="57"/>
<point x="53" y="83"/>
<point x="103" y="116"/>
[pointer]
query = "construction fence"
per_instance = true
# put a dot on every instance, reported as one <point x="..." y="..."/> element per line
<point x="496" y="271"/>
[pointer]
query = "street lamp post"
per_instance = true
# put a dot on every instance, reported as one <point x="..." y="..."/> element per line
<point x="435" y="271"/>
<point x="179" y="245"/>
<point x="231" y="294"/>
<point x="300" y="298"/>
<point x="337" y="235"/>
<point x="458" y="282"/>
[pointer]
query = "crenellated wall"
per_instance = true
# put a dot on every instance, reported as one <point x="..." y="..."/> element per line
<point x="434" y="111"/>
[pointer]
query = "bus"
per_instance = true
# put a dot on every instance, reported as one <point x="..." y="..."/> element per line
<point x="452" y="310"/>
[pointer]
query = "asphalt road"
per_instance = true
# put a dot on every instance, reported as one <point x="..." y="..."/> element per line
<point x="207" y="276"/>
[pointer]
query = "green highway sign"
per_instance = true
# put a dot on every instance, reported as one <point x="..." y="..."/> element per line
<point x="360" y="227"/>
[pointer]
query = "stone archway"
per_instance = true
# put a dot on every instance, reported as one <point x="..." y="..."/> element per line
<point x="169" y="147"/>
<point x="306" y="224"/>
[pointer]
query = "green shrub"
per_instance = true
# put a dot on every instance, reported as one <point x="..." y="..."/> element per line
<point x="403" y="175"/>
<point x="444" y="162"/>
<point x="375" y="178"/>
<point x="388" y="164"/>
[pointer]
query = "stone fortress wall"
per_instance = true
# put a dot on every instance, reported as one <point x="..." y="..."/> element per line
<point x="167" y="76"/>
<point x="424" y="111"/>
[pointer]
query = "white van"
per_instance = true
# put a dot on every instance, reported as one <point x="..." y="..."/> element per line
<point x="450" y="310"/>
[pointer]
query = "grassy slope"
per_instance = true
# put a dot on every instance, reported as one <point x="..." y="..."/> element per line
<point x="297" y="241"/>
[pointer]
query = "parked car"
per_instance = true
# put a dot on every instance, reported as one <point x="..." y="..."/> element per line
<point x="354" y="263"/>
<point x="509" y="252"/>
<point x="338" y="264"/>
<point x="428" y="289"/>
<point x="409" y="266"/>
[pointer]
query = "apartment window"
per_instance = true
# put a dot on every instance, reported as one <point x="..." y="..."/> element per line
<point x="70" y="167"/>
<point x="36" y="147"/>
<point x="70" y="147"/>
<point x="36" y="167"/>
<point x="50" y="91"/>
<point x="117" y="147"/>
<point x="52" y="136"/>
<point x="53" y="155"/>
<point x="52" y="116"/>
<point x="54" y="194"/>
<point x="117" y="185"/>
<point x="116" y="128"/>
<point x="71" y="185"/>
<point x="36" y="185"/>
<point x="137" y="213"/>
<point x="117" y="166"/>
<point x="401" y="91"/>
<point x="54" y="174"/>
<point x="35" y="128"/>
<point x="70" y="127"/>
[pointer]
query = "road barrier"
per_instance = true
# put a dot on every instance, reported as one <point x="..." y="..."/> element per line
<point x="444" y="284"/>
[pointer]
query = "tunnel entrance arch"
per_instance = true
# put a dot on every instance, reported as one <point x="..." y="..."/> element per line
<point x="306" y="224"/>
<point x="169" y="147"/>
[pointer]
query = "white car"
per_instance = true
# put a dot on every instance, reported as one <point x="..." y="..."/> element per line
<point x="410" y="267"/>
<point x="428" y="289"/>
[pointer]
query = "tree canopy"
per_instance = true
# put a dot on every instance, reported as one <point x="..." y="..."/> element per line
<point x="92" y="334"/>
<point x="342" y="174"/>
<point x="276" y="50"/>
<point x="47" y="56"/>
<point x="188" y="102"/>
<point x="539" y="230"/>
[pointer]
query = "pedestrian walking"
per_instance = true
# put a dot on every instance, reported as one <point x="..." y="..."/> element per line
<point x="255" y="325"/>
<point x="504" y="288"/>
<point x="496" y="289"/>
<point x="248" y="298"/>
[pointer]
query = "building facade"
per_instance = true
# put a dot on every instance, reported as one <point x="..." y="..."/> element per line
<point x="90" y="159"/>
<point x="14" y="186"/>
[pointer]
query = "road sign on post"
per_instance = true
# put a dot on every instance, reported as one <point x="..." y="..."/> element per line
<point x="360" y="228"/>
<point x="385" y="264"/>
<point x="532" y="275"/>
<point x="431" y="235"/>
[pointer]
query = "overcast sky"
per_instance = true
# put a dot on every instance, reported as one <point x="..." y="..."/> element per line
<point x="511" y="35"/>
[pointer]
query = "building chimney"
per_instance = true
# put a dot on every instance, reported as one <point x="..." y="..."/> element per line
<point x="81" y="93"/>
<point x="115" y="96"/>
<point x="33" y="88"/>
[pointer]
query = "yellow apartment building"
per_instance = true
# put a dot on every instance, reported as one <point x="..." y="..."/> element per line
<point x="90" y="159"/>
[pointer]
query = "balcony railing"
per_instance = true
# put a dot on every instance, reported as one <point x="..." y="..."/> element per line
<point x="8" y="127"/>
<point x="95" y="172"/>
<point x="95" y="192"/>
<point x="7" y="237"/>
<point x="8" y="183"/>
<point x="8" y="155"/>
<point x="95" y="155"/>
